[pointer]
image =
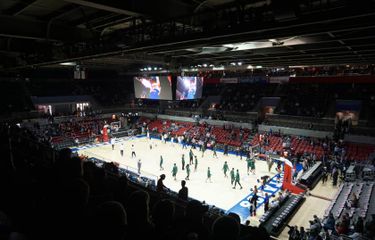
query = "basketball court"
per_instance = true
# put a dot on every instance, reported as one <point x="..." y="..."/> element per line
<point x="219" y="192"/>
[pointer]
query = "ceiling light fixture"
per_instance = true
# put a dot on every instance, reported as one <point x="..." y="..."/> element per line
<point x="68" y="64"/>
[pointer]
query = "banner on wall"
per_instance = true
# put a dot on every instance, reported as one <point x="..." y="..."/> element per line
<point x="279" y="79"/>
<point x="211" y="81"/>
<point x="253" y="79"/>
<point x="334" y="79"/>
<point x="229" y="80"/>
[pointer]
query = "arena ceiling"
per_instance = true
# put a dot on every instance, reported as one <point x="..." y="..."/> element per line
<point x="182" y="33"/>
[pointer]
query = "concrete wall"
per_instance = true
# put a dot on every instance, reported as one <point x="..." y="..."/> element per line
<point x="296" y="131"/>
<point x="360" y="139"/>
<point x="189" y="119"/>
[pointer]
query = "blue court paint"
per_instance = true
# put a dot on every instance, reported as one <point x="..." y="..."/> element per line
<point x="298" y="167"/>
<point x="242" y="207"/>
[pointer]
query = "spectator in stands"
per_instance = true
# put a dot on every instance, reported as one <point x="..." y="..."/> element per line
<point x="139" y="223"/>
<point x="225" y="228"/>
<point x="163" y="215"/>
<point x="183" y="193"/>
<point x="358" y="230"/>
<point x="160" y="185"/>
<point x="335" y="176"/>
<point x="109" y="221"/>
<point x="329" y="223"/>
<point x="293" y="233"/>
<point x="343" y="226"/>
<point x="302" y="233"/>
<point x="354" y="201"/>
<point x="317" y="220"/>
<point x="192" y="222"/>
<point x="370" y="227"/>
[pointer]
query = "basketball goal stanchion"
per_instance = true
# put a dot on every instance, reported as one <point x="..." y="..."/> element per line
<point x="287" y="180"/>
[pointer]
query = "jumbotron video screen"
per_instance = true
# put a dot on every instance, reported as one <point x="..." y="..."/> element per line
<point x="189" y="88"/>
<point x="155" y="87"/>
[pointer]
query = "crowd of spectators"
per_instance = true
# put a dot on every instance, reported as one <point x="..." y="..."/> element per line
<point x="330" y="227"/>
<point x="300" y="100"/>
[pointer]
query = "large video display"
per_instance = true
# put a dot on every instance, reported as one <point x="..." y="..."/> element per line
<point x="189" y="88"/>
<point x="156" y="87"/>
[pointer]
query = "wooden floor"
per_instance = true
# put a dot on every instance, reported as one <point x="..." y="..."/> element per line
<point x="314" y="205"/>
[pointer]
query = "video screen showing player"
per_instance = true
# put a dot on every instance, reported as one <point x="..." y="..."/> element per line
<point x="189" y="88"/>
<point x="153" y="87"/>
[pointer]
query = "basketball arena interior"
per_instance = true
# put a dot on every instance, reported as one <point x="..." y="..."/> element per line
<point x="187" y="119"/>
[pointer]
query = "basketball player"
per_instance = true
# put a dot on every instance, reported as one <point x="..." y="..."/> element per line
<point x="191" y="155"/>
<point x="237" y="180"/>
<point x="203" y="148"/>
<point x="139" y="165"/>
<point x="232" y="176"/>
<point x="174" y="171"/>
<point x="225" y="168"/>
<point x="183" y="161"/>
<point x="161" y="163"/>
<point x="209" y="174"/>
<point x="252" y="166"/>
<point x="269" y="163"/>
<point x="214" y="150"/>
<point x="195" y="163"/>
<point x="172" y="141"/>
<point x="122" y="149"/>
<point x="133" y="152"/>
<point x="187" y="172"/>
<point x="113" y="143"/>
<point x="248" y="161"/>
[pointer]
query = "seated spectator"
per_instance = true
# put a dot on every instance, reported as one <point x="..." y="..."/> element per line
<point x="329" y="223"/>
<point x="163" y="216"/>
<point x="139" y="223"/>
<point x="160" y="185"/>
<point x="358" y="230"/>
<point x="225" y="228"/>
<point x="183" y="193"/>
<point x="110" y="221"/>
<point x="192" y="222"/>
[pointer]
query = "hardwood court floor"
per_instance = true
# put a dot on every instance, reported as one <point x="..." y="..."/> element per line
<point x="312" y="206"/>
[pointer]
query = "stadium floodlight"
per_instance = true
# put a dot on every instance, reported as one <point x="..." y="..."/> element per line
<point x="204" y="65"/>
<point x="239" y="63"/>
<point x="258" y="67"/>
<point x="233" y="63"/>
<point x="250" y="67"/>
<point x="155" y="68"/>
<point x="68" y="63"/>
<point x="141" y="69"/>
<point x="149" y="68"/>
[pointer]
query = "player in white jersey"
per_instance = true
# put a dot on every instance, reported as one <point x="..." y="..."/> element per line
<point x="139" y="165"/>
<point x="172" y="141"/>
<point x="122" y="149"/>
<point x="133" y="152"/>
<point x="113" y="143"/>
